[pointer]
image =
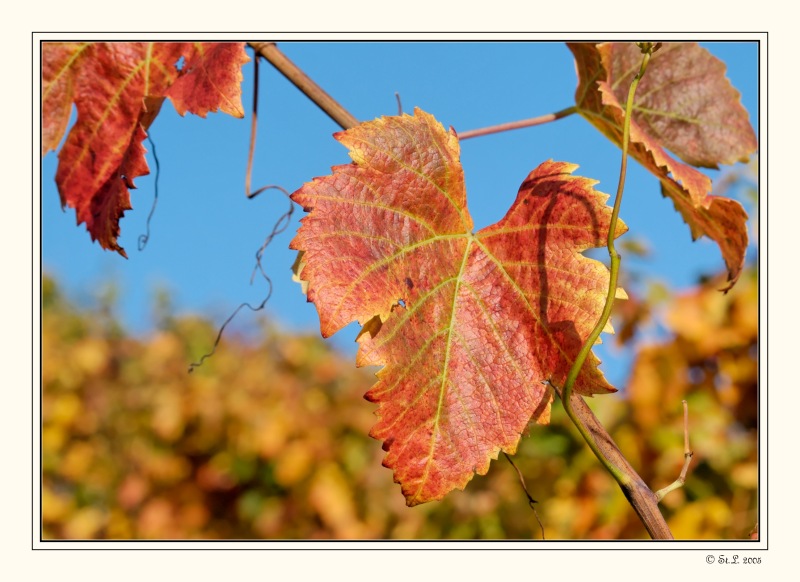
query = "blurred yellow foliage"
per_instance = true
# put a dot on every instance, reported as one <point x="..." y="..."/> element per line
<point x="268" y="440"/>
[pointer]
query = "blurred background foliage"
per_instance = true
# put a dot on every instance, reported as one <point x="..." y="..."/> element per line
<point x="268" y="438"/>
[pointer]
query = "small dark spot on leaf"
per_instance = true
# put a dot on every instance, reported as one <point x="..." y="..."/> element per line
<point x="409" y="283"/>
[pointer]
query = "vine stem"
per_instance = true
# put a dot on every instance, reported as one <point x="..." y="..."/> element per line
<point x="533" y="121"/>
<point x="687" y="458"/>
<point x="328" y="104"/>
<point x="641" y="498"/>
<point x="622" y="477"/>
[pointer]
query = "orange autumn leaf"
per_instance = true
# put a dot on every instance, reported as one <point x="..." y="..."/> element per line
<point x="58" y="89"/>
<point x="118" y="89"/>
<point x="684" y="103"/>
<point x="466" y="325"/>
<point x="211" y="80"/>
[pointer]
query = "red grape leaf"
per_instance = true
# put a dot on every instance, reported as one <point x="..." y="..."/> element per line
<point x="211" y="80"/>
<point x="58" y="89"/>
<point x="686" y="104"/>
<point x="118" y="89"/>
<point x="467" y="326"/>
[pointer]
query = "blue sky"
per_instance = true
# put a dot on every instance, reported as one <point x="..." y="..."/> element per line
<point x="205" y="232"/>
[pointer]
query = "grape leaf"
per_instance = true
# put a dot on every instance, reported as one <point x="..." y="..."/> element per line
<point x="211" y="80"/>
<point x="118" y="89"/>
<point x="686" y="104"/>
<point x="466" y="326"/>
<point x="58" y="89"/>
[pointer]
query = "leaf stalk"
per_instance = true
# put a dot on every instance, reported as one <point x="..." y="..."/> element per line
<point x="687" y="458"/>
<point x="622" y="477"/>
<point x="532" y="122"/>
